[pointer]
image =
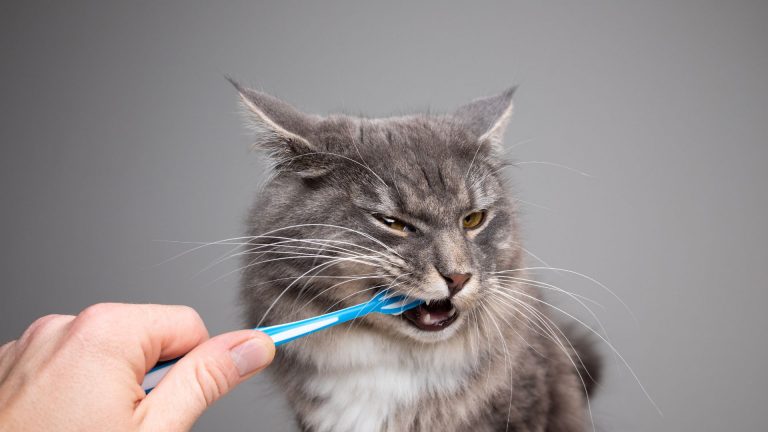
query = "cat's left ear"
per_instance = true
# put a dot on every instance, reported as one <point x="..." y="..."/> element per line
<point x="487" y="118"/>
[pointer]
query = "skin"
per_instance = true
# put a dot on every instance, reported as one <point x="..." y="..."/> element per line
<point x="84" y="372"/>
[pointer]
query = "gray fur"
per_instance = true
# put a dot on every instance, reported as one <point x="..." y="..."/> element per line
<point x="497" y="368"/>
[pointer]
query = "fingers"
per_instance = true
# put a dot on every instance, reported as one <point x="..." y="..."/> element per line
<point x="203" y="376"/>
<point x="140" y="334"/>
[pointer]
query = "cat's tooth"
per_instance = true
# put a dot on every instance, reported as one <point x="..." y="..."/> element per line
<point x="427" y="319"/>
<point x="452" y="312"/>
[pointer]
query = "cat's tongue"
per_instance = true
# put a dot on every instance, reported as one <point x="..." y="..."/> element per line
<point x="434" y="316"/>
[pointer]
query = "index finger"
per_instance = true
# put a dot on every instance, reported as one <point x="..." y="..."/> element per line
<point x="140" y="335"/>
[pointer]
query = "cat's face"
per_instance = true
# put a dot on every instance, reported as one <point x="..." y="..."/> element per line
<point x="415" y="205"/>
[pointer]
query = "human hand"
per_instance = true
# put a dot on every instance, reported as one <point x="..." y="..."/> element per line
<point x="84" y="372"/>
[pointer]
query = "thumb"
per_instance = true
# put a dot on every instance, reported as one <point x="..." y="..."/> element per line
<point x="202" y="377"/>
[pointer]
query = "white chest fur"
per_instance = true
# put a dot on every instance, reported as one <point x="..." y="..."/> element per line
<point x="364" y="379"/>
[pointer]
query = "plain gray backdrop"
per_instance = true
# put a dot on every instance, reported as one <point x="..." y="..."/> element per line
<point x="120" y="135"/>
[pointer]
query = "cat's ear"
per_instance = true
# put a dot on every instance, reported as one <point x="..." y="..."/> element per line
<point x="281" y="131"/>
<point x="487" y="118"/>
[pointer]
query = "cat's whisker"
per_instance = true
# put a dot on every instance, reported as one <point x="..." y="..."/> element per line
<point x="327" y="242"/>
<point x="602" y="338"/>
<point x="573" y="272"/>
<point x="354" y="231"/>
<point x="338" y="302"/>
<point x="536" y="329"/>
<point x="552" y="287"/>
<point x="383" y="263"/>
<point x="322" y="266"/>
<point x="308" y="280"/>
<point x="508" y="149"/>
<point x="514" y="281"/>
<point x="267" y="234"/>
<point x="201" y="245"/>
<point x="259" y="252"/>
<point x="361" y="136"/>
<point x="478" y="340"/>
<point x="490" y="173"/>
<point x="353" y="256"/>
<point x="334" y="260"/>
<point x="490" y="347"/>
<point x="507" y="366"/>
<point x="367" y="275"/>
<point x="550" y="334"/>
<point x="474" y="156"/>
<point x="553" y="164"/>
<point x="527" y="322"/>
<point x="550" y="325"/>
<point x="320" y="242"/>
<point x="340" y="156"/>
<point x="541" y="316"/>
<point x="544" y="285"/>
<point x="532" y="204"/>
<point x="321" y="293"/>
<point x="536" y="257"/>
<point x="474" y="346"/>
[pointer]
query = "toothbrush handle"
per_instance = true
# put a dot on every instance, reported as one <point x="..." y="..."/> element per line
<point x="280" y="334"/>
<point x="283" y="333"/>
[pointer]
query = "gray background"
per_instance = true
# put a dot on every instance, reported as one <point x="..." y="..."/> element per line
<point x="118" y="130"/>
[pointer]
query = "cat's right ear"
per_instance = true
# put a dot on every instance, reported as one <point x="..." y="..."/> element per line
<point x="280" y="130"/>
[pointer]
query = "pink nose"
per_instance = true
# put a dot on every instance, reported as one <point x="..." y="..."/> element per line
<point x="456" y="282"/>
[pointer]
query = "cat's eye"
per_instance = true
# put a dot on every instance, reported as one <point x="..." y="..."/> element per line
<point x="395" y="224"/>
<point x="473" y="220"/>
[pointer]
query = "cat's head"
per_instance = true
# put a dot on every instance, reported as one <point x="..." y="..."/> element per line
<point x="413" y="204"/>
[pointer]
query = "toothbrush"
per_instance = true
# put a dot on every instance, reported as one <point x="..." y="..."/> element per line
<point x="389" y="304"/>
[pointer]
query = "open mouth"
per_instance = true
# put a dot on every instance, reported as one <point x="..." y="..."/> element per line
<point x="433" y="316"/>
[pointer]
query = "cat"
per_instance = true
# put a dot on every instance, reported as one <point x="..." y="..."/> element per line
<point x="416" y="205"/>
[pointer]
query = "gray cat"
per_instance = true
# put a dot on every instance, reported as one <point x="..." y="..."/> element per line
<point x="417" y="205"/>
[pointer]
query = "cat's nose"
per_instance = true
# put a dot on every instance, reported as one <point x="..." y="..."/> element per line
<point x="456" y="281"/>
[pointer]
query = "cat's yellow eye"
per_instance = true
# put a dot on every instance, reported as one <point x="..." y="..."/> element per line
<point x="473" y="220"/>
<point x="395" y="224"/>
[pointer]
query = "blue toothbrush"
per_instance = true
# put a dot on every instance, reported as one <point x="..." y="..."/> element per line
<point x="389" y="304"/>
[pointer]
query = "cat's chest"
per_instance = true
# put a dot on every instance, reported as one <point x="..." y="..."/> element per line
<point x="363" y="382"/>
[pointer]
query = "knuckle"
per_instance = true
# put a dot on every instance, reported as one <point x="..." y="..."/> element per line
<point x="98" y="312"/>
<point x="93" y="321"/>
<point x="42" y="326"/>
<point x="191" y="313"/>
<point x="191" y="316"/>
<point x="6" y="348"/>
<point x="212" y="380"/>
<point x="46" y="322"/>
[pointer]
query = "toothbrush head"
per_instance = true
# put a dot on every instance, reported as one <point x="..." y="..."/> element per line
<point x="393" y="304"/>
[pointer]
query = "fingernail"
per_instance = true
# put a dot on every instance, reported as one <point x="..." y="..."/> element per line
<point x="252" y="355"/>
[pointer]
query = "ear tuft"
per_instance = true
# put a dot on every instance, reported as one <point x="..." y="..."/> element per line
<point x="487" y="118"/>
